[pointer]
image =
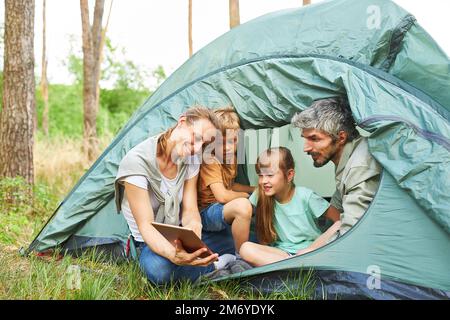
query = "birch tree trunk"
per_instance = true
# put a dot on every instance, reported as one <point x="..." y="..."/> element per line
<point x="102" y="46"/>
<point x="91" y="73"/>
<point x="44" y="80"/>
<point x="17" y="116"/>
<point x="190" y="29"/>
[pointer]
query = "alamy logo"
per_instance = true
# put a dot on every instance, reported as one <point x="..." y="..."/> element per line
<point x="374" y="17"/>
<point x="73" y="277"/>
<point x="374" y="279"/>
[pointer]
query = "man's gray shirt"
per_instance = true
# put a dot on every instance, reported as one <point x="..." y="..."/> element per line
<point x="357" y="181"/>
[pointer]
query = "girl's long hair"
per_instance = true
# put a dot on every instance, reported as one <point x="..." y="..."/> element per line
<point x="192" y="114"/>
<point x="265" y="208"/>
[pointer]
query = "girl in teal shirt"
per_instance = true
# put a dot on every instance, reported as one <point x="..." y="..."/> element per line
<point x="286" y="215"/>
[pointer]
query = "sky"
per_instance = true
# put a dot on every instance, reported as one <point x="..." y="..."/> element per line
<point x="155" y="32"/>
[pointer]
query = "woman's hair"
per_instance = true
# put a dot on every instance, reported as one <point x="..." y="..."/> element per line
<point x="228" y="118"/>
<point x="265" y="208"/>
<point x="192" y="114"/>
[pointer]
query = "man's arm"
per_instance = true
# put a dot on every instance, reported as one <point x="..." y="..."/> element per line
<point x="357" y="199"/>
<point x="332" y="214"/>
<point x="322" y="239"/>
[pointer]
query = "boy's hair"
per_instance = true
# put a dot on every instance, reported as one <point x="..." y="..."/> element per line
<point x="228" y="118"/>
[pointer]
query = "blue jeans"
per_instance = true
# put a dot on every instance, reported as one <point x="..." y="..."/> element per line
<point x="214" y="225"/>
<point x="217" y="236"/>
<point x="213" y="221"/>
<point x="160" y="270"/>
<point x="216" y="232"/>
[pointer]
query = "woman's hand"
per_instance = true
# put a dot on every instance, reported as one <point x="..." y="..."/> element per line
<point x="183" y="258"/>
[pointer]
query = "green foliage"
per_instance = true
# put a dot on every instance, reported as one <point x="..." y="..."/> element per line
<point x="66" y="110"/>
<point x="121" y="72"/>
<point x="74" y="63"/>
<point x="126" y="92"/>
<point x="117" y="71"/>
<point x="22" y="207"/>
<point x="128" y="87"/>
<point x="120" y="100"/>
<point x="75" y="67"/>
<point x="159" y="74"/>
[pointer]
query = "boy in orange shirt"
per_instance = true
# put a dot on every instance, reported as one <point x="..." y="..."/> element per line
<point x="221" y="201"/>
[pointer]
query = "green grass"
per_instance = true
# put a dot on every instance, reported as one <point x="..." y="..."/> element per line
<point x="23" y="210"/>
<point x="33" y="278"/>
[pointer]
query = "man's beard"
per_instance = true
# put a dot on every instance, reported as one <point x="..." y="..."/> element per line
<point x="321" y="164"/>
<point x="327" y="157"/>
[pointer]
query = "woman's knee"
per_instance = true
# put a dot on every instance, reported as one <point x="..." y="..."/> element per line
<point x="158" y="270"/>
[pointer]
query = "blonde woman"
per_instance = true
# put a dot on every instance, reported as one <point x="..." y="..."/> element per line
<point x="157" y="181"/>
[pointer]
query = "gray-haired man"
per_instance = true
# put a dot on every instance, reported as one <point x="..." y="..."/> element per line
<point x="330" y="133"/>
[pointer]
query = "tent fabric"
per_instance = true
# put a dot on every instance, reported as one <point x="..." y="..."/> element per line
<point x="378" y="239"/>
<point x="339" y="285"/>
<point x="278" y="64"/>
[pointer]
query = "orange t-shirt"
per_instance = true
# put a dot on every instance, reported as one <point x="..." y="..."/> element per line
<point x="214" y="173"/>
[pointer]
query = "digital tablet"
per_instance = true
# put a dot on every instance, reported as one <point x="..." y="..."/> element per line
<point x="190" y="241"/>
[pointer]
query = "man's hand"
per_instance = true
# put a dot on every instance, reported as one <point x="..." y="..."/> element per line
<point x="303" y="251"/>
<point x="182" y="258"/>
<point x="322" y="239"/>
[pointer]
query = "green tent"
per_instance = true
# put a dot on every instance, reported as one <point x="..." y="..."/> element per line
<point x="397" y="80"/>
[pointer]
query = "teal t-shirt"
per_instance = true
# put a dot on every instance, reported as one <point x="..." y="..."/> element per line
<point x="295" y="221"/>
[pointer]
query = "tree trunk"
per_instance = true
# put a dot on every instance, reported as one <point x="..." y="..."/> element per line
<point x="306" y="2"/>
<point x="100" y="56"/>
<point x="234" y="13"/>
<point x="16" y="119"/>
<point x="190" y="29"/>
<point x="91" y="73"/>
<point x="44" y="81"/>
<point x="104" y="30"/>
